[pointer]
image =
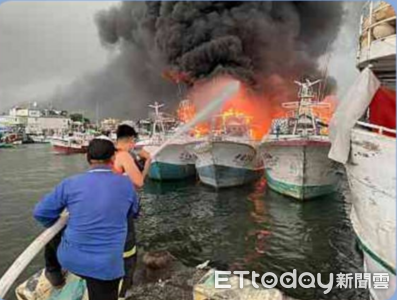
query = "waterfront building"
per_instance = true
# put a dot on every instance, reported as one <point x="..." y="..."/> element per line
<point x="36" y="120"/>
<point x="47" y="124"/>
<point x="109" y="124"/>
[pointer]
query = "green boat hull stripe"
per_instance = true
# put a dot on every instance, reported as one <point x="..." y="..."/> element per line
<point x="375" y="257"/>
<point x="298" y="191"/>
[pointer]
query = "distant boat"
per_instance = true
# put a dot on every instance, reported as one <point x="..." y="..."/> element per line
<point x="295" y="153"/>
<point x="40" y="139"/>
<point x="228" y="157"/>
<point x="5" y="145"/>
<point x="144" y="129"/>
<point x="12" y="139"/>
<point x="16" y="138"/>
<point x="73" y="144"/>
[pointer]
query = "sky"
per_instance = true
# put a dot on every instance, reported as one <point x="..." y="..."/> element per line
<point x="47" y="45"/>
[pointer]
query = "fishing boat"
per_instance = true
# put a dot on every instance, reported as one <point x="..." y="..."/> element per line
<point x="229" y="156"/>
<point x="13" y="138"/>
<point x="6" y="145"/>
<point x="71" y="144"/>
<point x="173" y="161"/>
<point x="39" y="139"/>
<point x="363" y="132"/>
<point x="295" y="153"/>
<point x="144" y="130"/>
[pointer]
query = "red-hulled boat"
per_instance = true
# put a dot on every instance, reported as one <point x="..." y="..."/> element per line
<point x="70" y="144"/>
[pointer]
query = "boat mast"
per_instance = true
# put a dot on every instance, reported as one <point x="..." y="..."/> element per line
<point x="305" y="110"/>
<point x="156" y="107"/>
<point x="157" y="118"/>
<point x="97" y="114"/>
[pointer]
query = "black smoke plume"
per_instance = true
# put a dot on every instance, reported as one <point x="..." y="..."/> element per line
<point x="158" y="44"/>
<point x="248" y="40"/>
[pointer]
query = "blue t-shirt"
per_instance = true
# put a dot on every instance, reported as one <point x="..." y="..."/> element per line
<point x="98" y="203"/>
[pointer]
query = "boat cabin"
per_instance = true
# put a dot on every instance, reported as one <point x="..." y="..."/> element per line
<point x="233" y="125"/>
<point x="377" y="45"/>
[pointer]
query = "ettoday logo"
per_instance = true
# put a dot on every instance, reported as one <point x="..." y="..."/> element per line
<point x="288" y="280"/>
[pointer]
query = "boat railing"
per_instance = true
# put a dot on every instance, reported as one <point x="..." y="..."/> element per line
<point x="379" y="129"/>
<point x="23" y="260"/>
<point x="287" y="137"/>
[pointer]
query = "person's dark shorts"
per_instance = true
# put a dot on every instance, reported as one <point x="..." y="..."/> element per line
<point x="130" y="258"/>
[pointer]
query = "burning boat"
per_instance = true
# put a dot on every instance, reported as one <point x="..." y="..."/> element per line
<point x="295" y="153"/>
<point x="363" y="133"/>
<point x="228" y="157"/>
<point x="173" y="161"/>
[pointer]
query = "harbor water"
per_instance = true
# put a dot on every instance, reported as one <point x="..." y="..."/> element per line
<point x="245" y="228"/>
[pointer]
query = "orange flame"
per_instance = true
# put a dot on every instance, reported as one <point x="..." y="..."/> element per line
<point x="245" y="104"/>
<point x="257" y="110"/>
<point x="324" y="113"/>
<point x="186" y="113"/>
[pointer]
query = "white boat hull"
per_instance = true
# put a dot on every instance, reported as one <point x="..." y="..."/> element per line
<point x="172" y="163"/>
<point x="371" y="173"/>
<point x="299" y="167"/>
<point x="68" y="147"/>
<point x="225" y="163"/>
<point x="39" y="139"/>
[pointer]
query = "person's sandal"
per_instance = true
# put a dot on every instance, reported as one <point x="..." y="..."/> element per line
<point x="57" y="278"/>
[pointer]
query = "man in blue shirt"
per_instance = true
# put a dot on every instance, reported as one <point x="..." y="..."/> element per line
<point x="98" y="203"/>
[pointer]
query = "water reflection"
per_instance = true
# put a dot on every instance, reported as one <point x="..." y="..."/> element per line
<point x="251" y="228"/>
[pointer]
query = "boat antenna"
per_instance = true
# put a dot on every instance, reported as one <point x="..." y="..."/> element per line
<point x="156" y="107"/>
<point x="179" y="89"/>
<point x="97" y="114"/>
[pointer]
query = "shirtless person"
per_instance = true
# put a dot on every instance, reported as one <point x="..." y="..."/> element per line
<point x="125" y="164"/>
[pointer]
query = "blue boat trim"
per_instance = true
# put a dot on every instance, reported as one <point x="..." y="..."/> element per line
<point x="166" y="171"/>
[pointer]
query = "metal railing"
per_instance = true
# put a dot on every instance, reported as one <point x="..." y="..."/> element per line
<point x="380" y="129"/>
<point x="19" y="265"/>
